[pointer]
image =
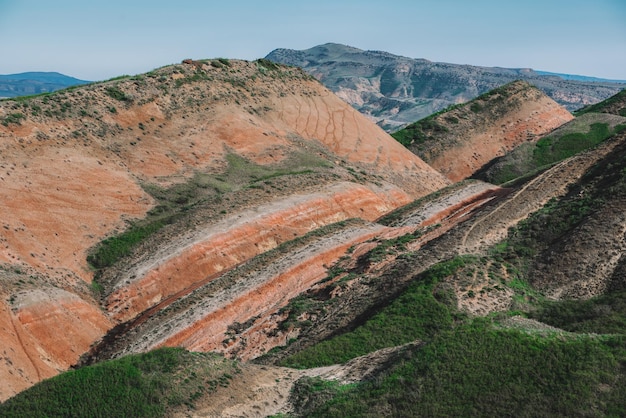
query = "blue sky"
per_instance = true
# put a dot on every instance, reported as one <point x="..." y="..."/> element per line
<point x="96" y="40"/>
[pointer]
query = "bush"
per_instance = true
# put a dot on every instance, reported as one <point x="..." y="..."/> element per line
<point x="112" y="249"/>
<point x="415" y="314"/>
<point x="132" y="386"/>
<point x="117" y="94"/>
<point x="15" y="118"/>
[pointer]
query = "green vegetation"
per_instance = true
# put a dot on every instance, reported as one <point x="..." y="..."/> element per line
<point x="267" y="64"/>
<point x="15" y="118"/>
<point x="144" y="385"/>
<point x="117" y="94"/>
<point x="615" y="104"/>
<point x="416" y="314"/>
<point x="420" y="132"/>
<point x="114" y="248"/>
<point x="390" y="246"/>
<point x="202" y="189"/>
<point x="532" y="158"/>
<point x="605" y="314"/>
<point x="197" y="76"/>
<point x="549" y="150"/>
<point x="475" y="370"/>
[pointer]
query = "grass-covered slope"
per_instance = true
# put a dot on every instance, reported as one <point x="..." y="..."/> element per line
<point x="584" y="132"/>
<point x="146" y="385"/>
<point x="477" y="366"/>
<point x="615" y="105"/>
<point x="476" y="370"/>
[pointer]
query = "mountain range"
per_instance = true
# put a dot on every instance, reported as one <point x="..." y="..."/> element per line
<point x="24" y="84"/>
<point x="393" y="90"/>
<point x="230" y="238"/>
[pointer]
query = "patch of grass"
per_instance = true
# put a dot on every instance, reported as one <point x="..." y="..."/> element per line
<point x="475" y="370"/>
<point x="549" y="150"/>
<point x="142" y="385"/>
<point x="420" y="132"/>
<point x="389" y="246"/>
<point x="117" y="94"/>
<point x="265" y="64"/>
<point x="530" y="158"/>
<point x="197" y="76"/>
<point x="416" y="314"/>
<point x="605" y="314"/>
<point x="114" y="248"/>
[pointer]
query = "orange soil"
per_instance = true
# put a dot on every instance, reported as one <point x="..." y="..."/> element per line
<point x="243" y="240"/>
<point x="46" y="334"/>
<point x="208" y="333"/>
<point x="534" y="119"/>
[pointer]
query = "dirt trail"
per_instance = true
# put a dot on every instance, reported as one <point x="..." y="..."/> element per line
<point x="261" y="391"/>
<point x="493" y="226"/>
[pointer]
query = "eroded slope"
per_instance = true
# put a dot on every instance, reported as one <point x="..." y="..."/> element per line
<point x="460" y="141"/>
<point x="271" y="153"/>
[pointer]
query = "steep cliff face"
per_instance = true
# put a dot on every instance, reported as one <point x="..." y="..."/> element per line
<point x="460" y="141"/>
<point x="77" y="166"/>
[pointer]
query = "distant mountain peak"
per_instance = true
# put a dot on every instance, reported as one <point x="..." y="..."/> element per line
<point x="394" y="90"/>
<point x="35" y="82"/>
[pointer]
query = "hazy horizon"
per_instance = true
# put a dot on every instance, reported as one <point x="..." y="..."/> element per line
<point x="100" y="40"/>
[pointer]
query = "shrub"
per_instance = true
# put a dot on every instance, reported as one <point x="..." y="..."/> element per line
<point x="117" y="94"/>
<point x="15" y="118"/>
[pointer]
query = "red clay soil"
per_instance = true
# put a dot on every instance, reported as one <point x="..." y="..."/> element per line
<point x="239" y="239"/>
<point x="208" y="333"/>
<point x="46" y="332"/>
<point x="69" y="180"/>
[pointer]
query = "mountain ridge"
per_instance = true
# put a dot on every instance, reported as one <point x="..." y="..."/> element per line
<point x="29" y="83"/>
<point x="199" y="155"/>
<point x="394" y="90"/>
<point x="461" y="140"/>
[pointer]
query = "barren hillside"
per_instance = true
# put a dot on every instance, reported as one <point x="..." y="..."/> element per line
<point x="460" y="141"/>
<point x="227" y="158"/>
